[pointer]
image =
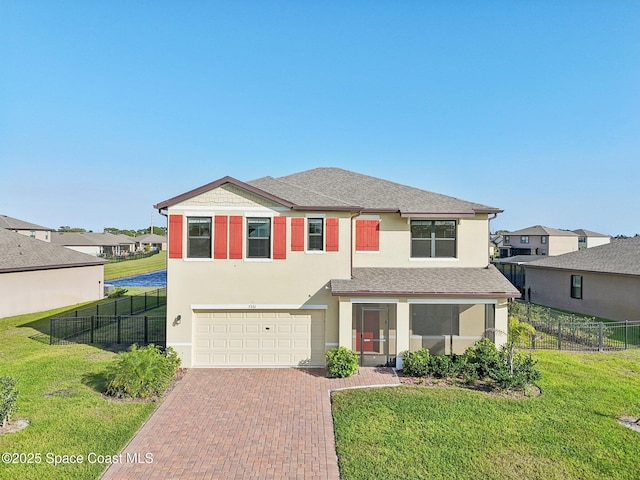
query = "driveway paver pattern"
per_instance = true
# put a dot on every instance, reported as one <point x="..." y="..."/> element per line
<point x="241" y="424"/>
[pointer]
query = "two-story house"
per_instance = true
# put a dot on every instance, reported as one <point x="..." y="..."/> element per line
<point x="25" y="228"/>
<point x="538" y="240"/>
<point x="275" y="271"/>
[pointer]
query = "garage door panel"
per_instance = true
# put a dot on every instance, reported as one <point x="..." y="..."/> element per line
<point x="259" y="338"/>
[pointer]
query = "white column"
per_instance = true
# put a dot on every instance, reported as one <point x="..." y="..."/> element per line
<point x="402" y="330"/>
<point x="345" y="323"/>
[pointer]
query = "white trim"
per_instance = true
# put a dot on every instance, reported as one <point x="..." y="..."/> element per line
<point x="225" y="208"/>
<point x="203" y="212"/>
<point x="433" y="259"/>
<point x="258" y="260"/>
<point x="194" y="259"/>
<point x="374" y="300"/>
<point x="256" y="306"/>
<point x="315" y="215"/>
<point x="259" y="214"/>
<point x="179" y="344"/>
<point x="368" y="217"/>
<point x="376" y="252"/>
<point x="314" y="252"/>
<point x="452" y="301"/>
<point x="331" y="344"/>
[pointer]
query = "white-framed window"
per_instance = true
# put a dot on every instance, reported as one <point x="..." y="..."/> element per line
<point x="258" y="237"/>
<point x="576" y="286"/>
<point x="315" y="234"/>
<point x="433" y="238"/>
<point x="198" y="237"/>
<point x="524" y="239"/>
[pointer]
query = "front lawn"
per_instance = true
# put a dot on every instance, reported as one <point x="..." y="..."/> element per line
<point x="570" y="431"/>
<point x="59" y="394"/>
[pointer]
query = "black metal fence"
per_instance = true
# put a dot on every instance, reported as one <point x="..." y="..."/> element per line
<point x="109" y="330"/>
<point x="123" y="257"/>
<point x="558" y="330"/>
<point x="129" y="305"/>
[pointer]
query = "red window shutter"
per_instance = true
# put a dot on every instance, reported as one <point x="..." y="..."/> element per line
<point x="220" y="237"/>
<point x="332" y="234"/>
<point x="175" y="236"/>
<point x="279" y="238"/>
<point x="235" y="237"/>
<point x="368" y="235"/>
<point x="297" y="234"/>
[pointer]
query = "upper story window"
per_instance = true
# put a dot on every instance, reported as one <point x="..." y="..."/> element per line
<point x="524" y="239"/>
<point x="32" y="234"/>
<point x="543" y="239"/>
<point x="258" y="238"/>
<point x="199" y="237"/>
<point x="315" y="234"/>
<point x="507" y="239"/>
<point x="576" y="286"/>
<point x="433" y="238"/>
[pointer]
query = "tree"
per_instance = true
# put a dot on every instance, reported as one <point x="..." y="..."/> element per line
<point x="517" y="333"/>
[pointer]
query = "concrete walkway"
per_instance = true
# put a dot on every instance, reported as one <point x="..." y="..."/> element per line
<point x="241" y="424"/>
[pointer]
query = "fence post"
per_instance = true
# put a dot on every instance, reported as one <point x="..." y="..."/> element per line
<point x="131" y="305"/>
<point x="119" y="330"/>
<point x="145" y="301"/>
<point x="146" y="330"/>
<point x="92" y="330"/>
<point x="626" y="334"/>
<point x="600" y="336"/>
<point x="97" y="309"/>
<point x="559" y="335"/>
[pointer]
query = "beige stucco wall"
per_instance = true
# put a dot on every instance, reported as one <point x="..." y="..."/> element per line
<point x="616" y="297"/>
<point x="395" y="245"/>
<point x="36" y="291"/>
<point x="559" y="245"/>
<point x="597" y="241"/>
<point x="300" y="281"/>
<point x="44" y="235"/>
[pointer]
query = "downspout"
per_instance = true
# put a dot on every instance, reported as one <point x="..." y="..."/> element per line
<point x="489" y="218"/>
<point x="352" y="246"/>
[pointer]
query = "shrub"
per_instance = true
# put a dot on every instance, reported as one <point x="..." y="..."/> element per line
<point x="341" y="362"/>
<point x="518" y="371"/>
<point x="482" y="360"/>
<point x="416" y="364"/>
<point x="8" y="397"/>
<point x="142" y="372"/>
<point x="447" y="366"/>
<point x="117" y="292"/>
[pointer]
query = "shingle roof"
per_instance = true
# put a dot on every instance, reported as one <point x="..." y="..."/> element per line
<point x="90" y="239"/>
<point x="621" y="256"/>
<point x="540" y="230"/>
<point x="151" y="238"/>
<point x="588" y="233"/>
<point x="11" y="223"/>
<point x="337" y="187"/>
<point x="434" y="282"/>
<point x="20" y="253"/>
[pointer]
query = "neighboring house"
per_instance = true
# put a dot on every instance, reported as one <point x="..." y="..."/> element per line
<point x="495" y="242"/>
<point x="603" y="281"/>
<point x="513" y="269"/>
<point x="98" y="244"/>
<point x="37" y="276"/>
<point x="588" y="239"/>
<point x="538" y="240"/>
<point x="275" y="271"/>
<point x="155" y="242"/>
<point x="25" y="228"/>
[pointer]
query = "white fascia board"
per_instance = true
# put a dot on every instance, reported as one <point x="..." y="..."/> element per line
<point x="453" y="301"/>
<point x="257" y="306"/>
<point x="374" y="300"/>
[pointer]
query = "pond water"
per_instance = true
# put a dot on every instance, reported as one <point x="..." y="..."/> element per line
<point x="151" y="279"/>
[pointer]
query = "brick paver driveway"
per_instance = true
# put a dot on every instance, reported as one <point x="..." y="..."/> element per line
<point x="241" y="424"/>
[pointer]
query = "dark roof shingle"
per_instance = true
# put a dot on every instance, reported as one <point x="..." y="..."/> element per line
<point x="20" y="253"/>
<point x="446" y="282"/>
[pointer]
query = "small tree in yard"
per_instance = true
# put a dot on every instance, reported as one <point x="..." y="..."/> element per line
<point x="8" y="397"/>
<point x="518" y="332"/>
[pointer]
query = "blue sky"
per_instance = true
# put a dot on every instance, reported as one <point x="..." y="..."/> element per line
<point x="107" y="108"/>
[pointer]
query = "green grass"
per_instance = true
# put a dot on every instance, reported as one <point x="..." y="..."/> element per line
<point x="568" y="432"/>
<point x="60" y="395"/>
<point x="130" y="268"/>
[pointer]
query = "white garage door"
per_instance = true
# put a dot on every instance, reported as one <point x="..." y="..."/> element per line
<point x="259" y="338"/>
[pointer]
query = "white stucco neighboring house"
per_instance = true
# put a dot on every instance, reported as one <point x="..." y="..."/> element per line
<point x="276" y="271"/>
<point x="588" y="239"/>
<point x="37" y="275"/>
